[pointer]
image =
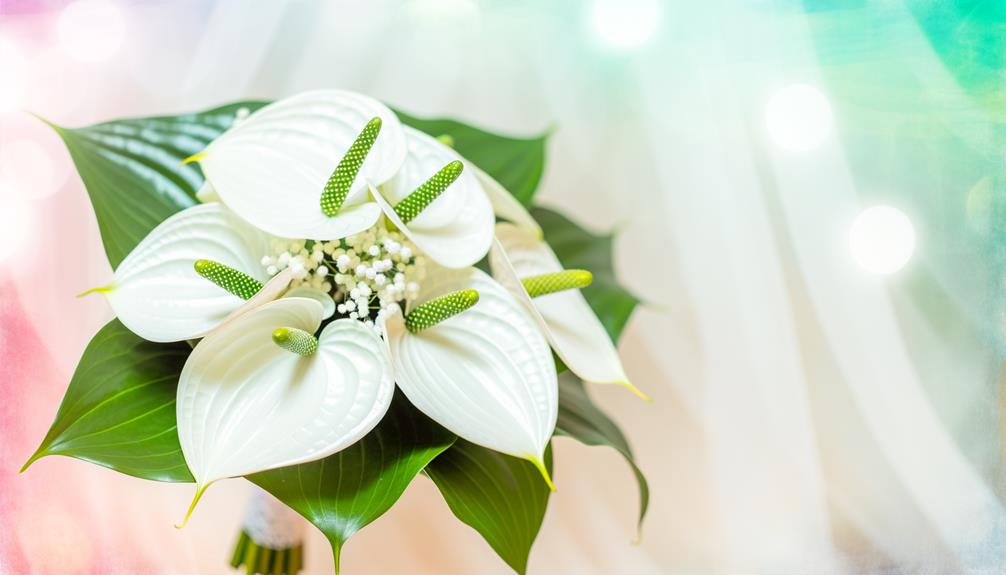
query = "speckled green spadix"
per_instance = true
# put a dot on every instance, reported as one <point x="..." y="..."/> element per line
<point x="430" y="190"/>
<point x="437" y="310"/>
<point x="558" y="281"/>
<point x="237" y="283"/>
<point x="341" y="180"/>
<point x="295" y="340"/>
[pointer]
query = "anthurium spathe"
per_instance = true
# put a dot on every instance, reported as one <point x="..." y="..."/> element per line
<point x="517" y="259"/>
<point x="263" y="392"/>
<point x="485" y="373"/>
<point x="302" y="166"/>
<point x="158" y="292"/>
<point x="437" y="201"/>
<point x="506" y="206"/>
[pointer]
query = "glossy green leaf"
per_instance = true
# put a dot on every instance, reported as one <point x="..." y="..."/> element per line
<point x="516" y="163"/>
<point x="119" y="410"/>
<point x="345" y="492"/>
<point x="579" y="249"/>
<point x="501" y="497"/>
<point x="580" y="419"/>
<point x="133" y="170"/>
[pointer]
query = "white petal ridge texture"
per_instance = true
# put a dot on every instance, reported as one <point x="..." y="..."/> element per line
<point x="246" y="405"/>
<point x="272" y="167"/>
<point x="485" y="374"/>
<point x="156" y="292"/>
<point x="576" y="334"/>
<point x="455" y="230"/>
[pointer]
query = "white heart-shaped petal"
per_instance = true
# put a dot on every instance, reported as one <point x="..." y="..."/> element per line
<point x="456" y="229"/>
<point x="485" y="374"/>
<point x="322" y="297"/>
<point x="505" y="205"/>
<point x="157" y="293"/>
<point x="574" y="331"/>
<point x="272" y="167"/>
<point x="246" y="405"/>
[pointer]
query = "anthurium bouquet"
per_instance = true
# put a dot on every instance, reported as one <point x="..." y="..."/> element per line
<point x="329" y="298"/>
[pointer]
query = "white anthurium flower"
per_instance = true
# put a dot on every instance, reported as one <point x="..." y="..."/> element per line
<point x="263" y="392"/>
<point x="302" y="166"/>
<point x="191" y="273"/>
<point x="437" y="201"/>
<point x="321" y="296"/>
<point x="505" y="205"/>
<point x="475" y="361"/>
<point x="529" y="268"/>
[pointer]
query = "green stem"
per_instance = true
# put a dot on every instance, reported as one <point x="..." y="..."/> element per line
<point x="261" y="560"/>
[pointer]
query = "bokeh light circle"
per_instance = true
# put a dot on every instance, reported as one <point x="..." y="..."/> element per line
<point x="882" y="239"/>
<point x="798" y="117"/>
<point x="29" y="168"/>
<point x="624" y="24"/>
<point x="91" y="30"/>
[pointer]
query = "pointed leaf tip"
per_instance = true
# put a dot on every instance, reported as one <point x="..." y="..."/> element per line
<point x="414" y="203"/>
<point x="194" y="158"/>
<point x="200" y="489"/>
<point x="101" y="289"/>
<point x="341" y="180"/>
<point x="44" y="120"/>
<point x="502" y="497"/>
<point x="545" y="284"/>
<point x="639" y="393"/>
<point x="34" y="457"/>
<point x="540" y="466"/>
<point x="295" y="340"/>
<point x="437" y="310"/>
<point x="232" y="280"/>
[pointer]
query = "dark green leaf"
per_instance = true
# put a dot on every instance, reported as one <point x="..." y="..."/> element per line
<point x="501" y="497"/>
<point x="343" y="493"/>
<point x="516" y="163"/>
<point x="579" y="249"/>
<point x="133" y="172"/>
<point x="580" y="419"/>
<point x="119" y="410"/>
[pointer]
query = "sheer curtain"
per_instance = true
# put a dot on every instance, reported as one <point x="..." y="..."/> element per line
<point x="807" y="418"/>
